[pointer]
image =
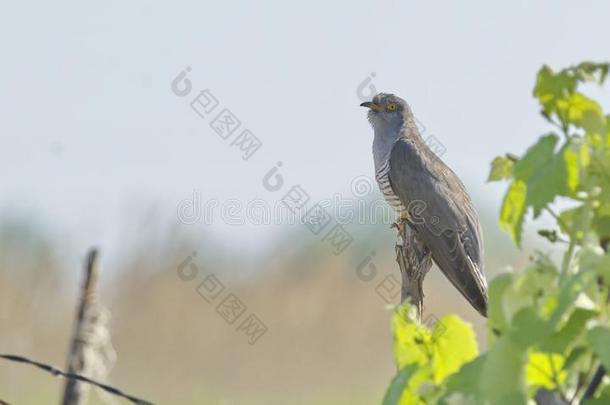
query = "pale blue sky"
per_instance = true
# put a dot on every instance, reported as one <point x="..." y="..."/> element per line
<point x="91" y="135"/>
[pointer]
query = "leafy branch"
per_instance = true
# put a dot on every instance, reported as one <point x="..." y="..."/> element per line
<point x="549" y="324"/>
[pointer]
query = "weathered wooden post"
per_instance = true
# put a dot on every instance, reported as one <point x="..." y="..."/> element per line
<point x="76" y="393"/>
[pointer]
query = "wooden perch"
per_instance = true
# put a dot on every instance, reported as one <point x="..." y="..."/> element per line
<point x="414" y="260"/>
<point x="75" y="393"/>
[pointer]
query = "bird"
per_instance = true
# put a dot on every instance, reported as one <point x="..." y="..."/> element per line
<point x="428" y="196"/>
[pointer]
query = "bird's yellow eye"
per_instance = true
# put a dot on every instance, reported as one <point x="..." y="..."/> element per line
<point x="391" y="107"/>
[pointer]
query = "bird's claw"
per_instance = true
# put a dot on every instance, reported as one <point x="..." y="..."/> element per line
<point x="400" y="223"/>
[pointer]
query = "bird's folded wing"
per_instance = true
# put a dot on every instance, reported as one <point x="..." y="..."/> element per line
<point x="443" y="216"/>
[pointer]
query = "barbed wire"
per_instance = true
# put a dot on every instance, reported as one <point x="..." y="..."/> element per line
<point x="59" y="373"/>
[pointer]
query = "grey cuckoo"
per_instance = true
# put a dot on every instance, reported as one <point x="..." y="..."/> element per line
<point x="428" y="196"/>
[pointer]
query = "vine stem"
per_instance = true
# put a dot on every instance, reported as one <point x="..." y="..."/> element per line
<point x="601" y="370"/>
<point x="567" y="258"/>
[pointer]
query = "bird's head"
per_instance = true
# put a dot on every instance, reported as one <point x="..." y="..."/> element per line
<point x="387" y="110"/>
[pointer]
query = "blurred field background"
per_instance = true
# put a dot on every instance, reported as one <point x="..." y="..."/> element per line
<point x="328" y="338"/>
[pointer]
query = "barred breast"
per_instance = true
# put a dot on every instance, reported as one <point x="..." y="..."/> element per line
<point x="382" y="175"/>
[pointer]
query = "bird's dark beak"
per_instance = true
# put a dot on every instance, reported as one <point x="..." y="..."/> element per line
<point x="371" y="105"/>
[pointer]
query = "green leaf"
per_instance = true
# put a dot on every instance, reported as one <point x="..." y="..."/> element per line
<point x="435" y="354"/>
<point x="497" y="319"/>
<point x="599" y="337"/>
<point x="545" y="186"/>
<point x="455" y="346"/>
<point x="551" y="86"/>
<point x="501" y="168"/>
<point x="574" y="156"/>
<point x="411" y="340"/>
<point x="574" y="356"/>
<point x="528" y="328"/>
<point x="466" y="381"/>
<point x="513" y="210"/>
<point x="412" y="347"/>
<point x="559" y="341"/>
<point x="545" y="173"/>
<point x="586" y="71"/>
<point x="548" y="174"/>
<point x="545" y="370"/>
<point x="582" y="112"/>
<point x="536" y="157"/>
<point x="503" y="376"/>
<point x="556" y="93"/>
<point x="398" y="385"/>
<point x="518" y="297"/>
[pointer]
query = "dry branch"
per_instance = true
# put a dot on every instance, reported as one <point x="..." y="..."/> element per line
<point x="414" y="260"/>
